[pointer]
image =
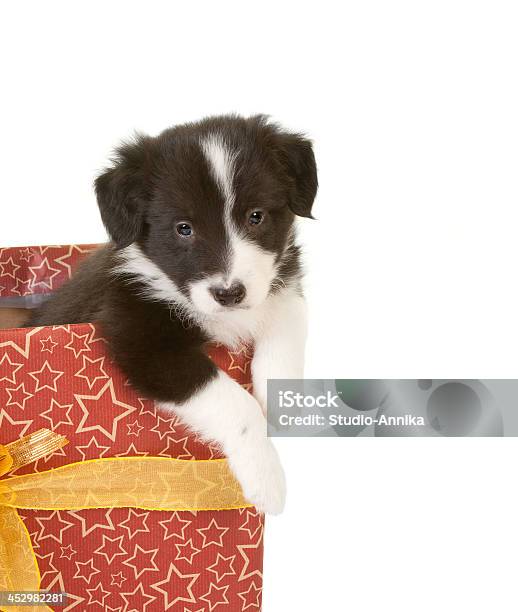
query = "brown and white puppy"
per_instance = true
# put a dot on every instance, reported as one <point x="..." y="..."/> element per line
<point x="203" y="249"/>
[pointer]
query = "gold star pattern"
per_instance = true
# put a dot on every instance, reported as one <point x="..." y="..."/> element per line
<point x="144" y="561"/>
<point x="8" y="369"/>
<point x="118" y="579"/>
<point x="137" y="497"/>
<point x="65" y="328"/>
<point x="252" y="523"/>
<point x="92" y="450"/>
<point x="22" y="287"/>
<point x="54" y="524"/>
<point x="47" y="344"/>
<point x="223" y="566"/>
<point x="178" y="587"/>
<point x="58" y="414"/>
<point x="22" y="425"/>
<point x="228" y="491"/>
<point x="134" y="428"/>
<point x="26" y="254"/>
<point x="186" y="551"/>
<point x="78" y="344"/>
<point x="135" y="523"/>
<point x="61" y="491"/>
<point x="90" y="521"/>
<point x="215" y="596"/>
<point x="86" y="570"/>
<point x="9" y="268"/>
<point x="174" y="527"/>
<point x="170" y="482"/>
<point x="251" y="598"/>
<point x="242" y="548"/>
<point x="177" y="448"/>
<point x="67" y="552"/>
<point x="163" y="427"/>
<point x="137" y="600"/>
<point x="95" y="401"/>
<point x="95" y="335"/>
<point x="24" y="352"/>
<point x="209" y="484"/>
<point x="111" y="548"/>
<point x="213" y="534"/>
<point x="44" y="249"/>
<point x="58" y="585"/>
<point x="45" y="375"/>
<point x="147" y="407"/>
<point x="97" y="595"/>
<point x="132" y="452"/>
<point x="237" y="362"/>
<point x="74" y="251"/>
<point x="53" y="569"/>
<point x="42" y="274"/>
<point x="93" y="369"/>
<point x="18" y="396"/>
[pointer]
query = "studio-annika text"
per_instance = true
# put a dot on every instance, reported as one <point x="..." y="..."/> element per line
<point x="362" y="420"/>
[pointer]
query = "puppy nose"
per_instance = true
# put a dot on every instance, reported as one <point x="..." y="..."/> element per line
<point x="229" y="296"/>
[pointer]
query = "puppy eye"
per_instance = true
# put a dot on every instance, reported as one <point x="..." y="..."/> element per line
<point x="256" y="217"/>
<point x="184" y="229"/>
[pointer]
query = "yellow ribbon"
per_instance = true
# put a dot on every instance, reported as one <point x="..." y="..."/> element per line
<point x="151" y="483"/>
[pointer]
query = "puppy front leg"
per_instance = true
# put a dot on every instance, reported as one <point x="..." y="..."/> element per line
<point x="224" y="412"/>
<point x="215" y="407"/>
<point x="279" y="351"/>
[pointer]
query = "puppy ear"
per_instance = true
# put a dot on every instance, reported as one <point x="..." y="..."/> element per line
<point x="298" y="161"/>
<point x="123" y="191"/>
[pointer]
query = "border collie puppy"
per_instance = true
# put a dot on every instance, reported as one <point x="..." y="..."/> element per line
<point x="203" y="249"/>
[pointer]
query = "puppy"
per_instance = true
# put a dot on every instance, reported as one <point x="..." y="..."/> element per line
<point x="201" y="220"/>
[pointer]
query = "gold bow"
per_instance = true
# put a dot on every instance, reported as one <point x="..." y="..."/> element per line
<point x="151" y="483"/>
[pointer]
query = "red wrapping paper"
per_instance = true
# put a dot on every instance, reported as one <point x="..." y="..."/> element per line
<point x="121" y="559"/>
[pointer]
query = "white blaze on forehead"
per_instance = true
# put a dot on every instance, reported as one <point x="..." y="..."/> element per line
<point x="221" y="160"/>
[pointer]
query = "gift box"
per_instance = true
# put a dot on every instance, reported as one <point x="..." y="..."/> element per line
<point x="104" y="496"/>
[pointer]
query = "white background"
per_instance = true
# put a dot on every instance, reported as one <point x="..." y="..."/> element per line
<point x="413" y="108"/>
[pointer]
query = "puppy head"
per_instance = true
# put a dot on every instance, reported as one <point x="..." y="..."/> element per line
<point x="212" y="205"/>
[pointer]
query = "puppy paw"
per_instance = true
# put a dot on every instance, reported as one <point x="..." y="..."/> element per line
<point x="259" y="471"/>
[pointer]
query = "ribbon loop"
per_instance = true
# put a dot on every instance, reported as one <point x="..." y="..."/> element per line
<point x="34" y="446"/>
<point x="6" y="461"/>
